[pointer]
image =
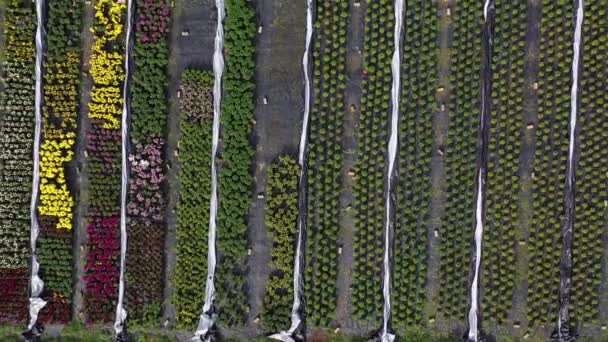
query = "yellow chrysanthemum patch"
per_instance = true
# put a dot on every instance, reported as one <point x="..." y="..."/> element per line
<point x="107" y="66"/>
<point x="60" y="111"/>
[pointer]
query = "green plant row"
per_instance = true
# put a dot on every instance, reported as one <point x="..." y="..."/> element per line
<point x="235" y="162"/>
<point x="554" y="82"/>
<point x="369" y="177"/>
<point x="591" y="189"/>
<point x="502" y="195"/>
<point x="413" y="186"/>
<point x="281" y="213"/>
<point x="17" y="83"/>
<point x="194" y="155"/>
<point x="460" y="158"/>
<point x="325" y="160"/>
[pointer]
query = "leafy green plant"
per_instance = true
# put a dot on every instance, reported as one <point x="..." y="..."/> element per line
<point x="194" y="155"/>
<point x="281" y="214"/>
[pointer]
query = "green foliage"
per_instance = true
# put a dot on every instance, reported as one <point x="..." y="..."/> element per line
<point x="281" y="214"/>
<point x="544" y="247"/>
<point x="193" y="207"/>
<point x="325" y="161"/>
<point x="235" y="162"/>
<point x="591" y="190"/>
<point x="413" y="186"/>
<point x="456" y="228"/>
<point x="369" y="167"/>
<point x="502" y="218"/>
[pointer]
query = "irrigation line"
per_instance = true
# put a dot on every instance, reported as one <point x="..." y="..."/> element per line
<point x="36" y="284"/>
<point x="208" y="316"/>
<point x="121" y="313"/>
<point x="294" y="333"/>
<point x="565" y="284"/>
<point x="482" y="164"/>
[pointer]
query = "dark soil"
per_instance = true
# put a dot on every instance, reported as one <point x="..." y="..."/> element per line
<point x="80" y="236"/>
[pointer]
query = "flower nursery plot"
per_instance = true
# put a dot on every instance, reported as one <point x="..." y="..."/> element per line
<point x="543" y="116"/>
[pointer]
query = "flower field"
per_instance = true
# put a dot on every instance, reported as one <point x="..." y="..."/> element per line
<point x="445" y="67"/>
<point x="16" y="139"/>
<point x="103" y="149"/>
<point x="196" y="117"/>
<point x="146" y="204"/>
<point x="326" y="120"/>
<point x="61" y="88"/>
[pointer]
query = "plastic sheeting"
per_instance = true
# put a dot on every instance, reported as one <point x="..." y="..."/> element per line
<point x="207" y="317"/>
<point x="36" y="284"/>
<point x="482" y="163"/>
<point x="121" y="313"/>
<point x="399" y="8"/>
<point x="563" y="331"/>
<point x="294" y="333"/>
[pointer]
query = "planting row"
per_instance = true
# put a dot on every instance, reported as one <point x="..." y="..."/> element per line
<point x="146" y="202"/>
<point x="60" y="110"/>
<point x="502" y="195"/>
<point x="234" y="169"/>
<point x="325" y="160"/>
<point x="103" y="159"/>
<point x="461" y="153"/>
<point x="554" y="81"/>
<point x="419" y="77"/>
<point x="592" y="189"/>
<point x="16" y="139"/>
<point x="281" y="213"/>
<point x="370" y="164"/>
<point x="194" y="155"/>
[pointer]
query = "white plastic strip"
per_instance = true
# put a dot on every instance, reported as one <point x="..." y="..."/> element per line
<point x="207" y="317"/>
<point x="385" y="334"/>
<point x="298" y="288"/>
<point x="473" y="334"/>
<point x="36" y="284"/>
<point x="565" y="281"/>
<point x="121" y="313"/>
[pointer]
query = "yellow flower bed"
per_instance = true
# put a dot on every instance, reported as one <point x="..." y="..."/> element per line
<point x="107" y="66"/>
<point x="57" y="149"/>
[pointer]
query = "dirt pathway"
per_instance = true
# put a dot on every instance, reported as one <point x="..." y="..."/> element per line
<point x="354" y="66"/>
<point x="80" y="236"/>
<point x="278" y="114"/>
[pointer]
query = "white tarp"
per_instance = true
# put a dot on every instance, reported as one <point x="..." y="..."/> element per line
<point x="36" y="284"/>
<point x="566" y="263"/>
<point x="488" y="15"/>
<point x="207" y="317"/>
<point x="399" y="7"/>
<point x="298" y="286"/>
<point x="121" y="313"/>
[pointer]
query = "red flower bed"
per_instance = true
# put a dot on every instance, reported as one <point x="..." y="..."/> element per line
<point x="13" y="295"/>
